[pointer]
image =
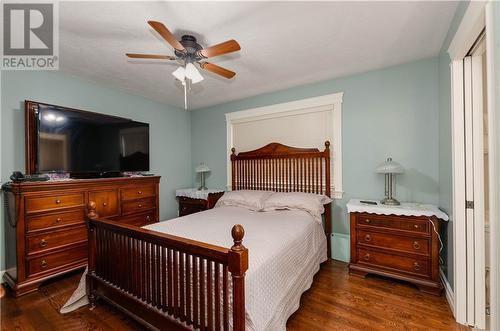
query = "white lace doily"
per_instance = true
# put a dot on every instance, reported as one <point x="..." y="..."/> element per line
<point x="405" y="209"/>
<point x="195" y="193"/>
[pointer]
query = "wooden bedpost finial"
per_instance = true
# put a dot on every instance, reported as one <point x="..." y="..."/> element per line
<point x="92" y="214"/>
<point x="233" y="151"/>
<point x="238" y="232"/>
<point x="327" y="144"/>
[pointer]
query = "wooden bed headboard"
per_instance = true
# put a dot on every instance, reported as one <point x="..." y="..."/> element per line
<point x="281" y="168"/>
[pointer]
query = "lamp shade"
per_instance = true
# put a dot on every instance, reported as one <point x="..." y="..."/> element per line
<point x="202" y="168"/>
<point x="192" y="73"/>
<point x="180" y="74"/>
<point x="390" y="167"/>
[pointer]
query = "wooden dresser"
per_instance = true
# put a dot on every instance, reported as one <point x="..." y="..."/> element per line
<point x="50" y="235"/>
<point x="402" y="247"/>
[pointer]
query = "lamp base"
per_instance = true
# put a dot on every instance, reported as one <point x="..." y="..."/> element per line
<point x="390" y="202"/>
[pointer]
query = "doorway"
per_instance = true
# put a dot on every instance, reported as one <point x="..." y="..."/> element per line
<point x="476" y="181"/>
<point x="474" y="170"/>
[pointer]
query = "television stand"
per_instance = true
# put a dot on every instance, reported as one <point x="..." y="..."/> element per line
<point x="93" y="175"/>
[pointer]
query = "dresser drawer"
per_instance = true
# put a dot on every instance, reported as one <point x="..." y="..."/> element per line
<point x="106" y="202"/>
<point x="42" y="222"/>
<point x="54" y="239"/>
<point x="139" y="219"/>
<point x="138" y="192"/>
<point x="55" y="260"/>
<point x="35" y="204"/>
<point x="138" y="206"/>
<point x="400" y="243"/>
<point x="392" y="222"/>
<point x="396" y="263"/>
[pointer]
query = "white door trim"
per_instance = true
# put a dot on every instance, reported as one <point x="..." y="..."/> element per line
<point x="331" y="102"/>
<point x="478" y="188"/>
<point x="478" y="16"/>
<point x="469" y="191"/>
<point x="493" y="170"/>
<point x="458" y="169"/>
<point x="470" y="27"/>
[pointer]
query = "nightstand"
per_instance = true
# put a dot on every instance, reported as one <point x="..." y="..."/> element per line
<point x="401" y="242"/>
<point x="192" y="200"/>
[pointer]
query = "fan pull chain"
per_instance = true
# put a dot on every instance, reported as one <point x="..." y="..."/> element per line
<point x="185" y="95"/>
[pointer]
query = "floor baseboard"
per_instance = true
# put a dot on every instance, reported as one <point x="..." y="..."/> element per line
<point x="341" y="246"/>
<point x="450" y="296"/>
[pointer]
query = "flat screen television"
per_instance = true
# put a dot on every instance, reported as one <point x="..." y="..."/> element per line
<point x="87" y="144"/>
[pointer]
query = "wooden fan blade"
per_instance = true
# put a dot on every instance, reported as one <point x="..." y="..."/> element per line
<point x="167" y="35"/>
<point x="220" y="49"/>
<point x="217" y="70"/>
<point x="150" y="56"/>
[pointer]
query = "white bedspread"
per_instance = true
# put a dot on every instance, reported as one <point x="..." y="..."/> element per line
<point x="285" y="250"/>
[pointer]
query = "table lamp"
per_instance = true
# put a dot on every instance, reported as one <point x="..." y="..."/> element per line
<point x="202" y="169"/>
<point x="390" y="168"/>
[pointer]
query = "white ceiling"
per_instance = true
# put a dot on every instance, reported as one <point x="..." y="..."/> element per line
<point x="283" y="44"/>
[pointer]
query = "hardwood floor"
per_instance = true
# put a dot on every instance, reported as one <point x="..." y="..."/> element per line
<point x="336" y="301"/>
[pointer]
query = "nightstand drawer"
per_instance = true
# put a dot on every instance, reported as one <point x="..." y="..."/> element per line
<point x="189" y="208"/>
<point x="191" y="201"/>
<point x="393" y="222"/>
<point x="398" y="243"/>
<point x="394" y="262"/>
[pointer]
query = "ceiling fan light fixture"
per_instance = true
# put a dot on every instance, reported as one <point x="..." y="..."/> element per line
<point x="197" y="79"/>
<point x="192" y="73"/>
<point x="180" y="73"/>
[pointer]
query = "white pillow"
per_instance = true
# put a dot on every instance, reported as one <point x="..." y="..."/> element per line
<point x="253" y="200"/>
<point x="310" y="202"/>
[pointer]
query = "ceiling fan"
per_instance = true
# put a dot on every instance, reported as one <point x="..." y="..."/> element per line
<point x="188" y="53"/>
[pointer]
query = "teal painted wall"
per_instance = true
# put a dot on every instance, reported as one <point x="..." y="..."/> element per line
<point x="170" y="132"/>
<point x="390" y="112"/>
<point x="445" y="146"/>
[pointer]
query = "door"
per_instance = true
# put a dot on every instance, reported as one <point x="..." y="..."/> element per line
<point x="476" y="182"/>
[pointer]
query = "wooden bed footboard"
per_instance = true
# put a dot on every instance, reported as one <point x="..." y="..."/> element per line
<point x="165" y="281"/>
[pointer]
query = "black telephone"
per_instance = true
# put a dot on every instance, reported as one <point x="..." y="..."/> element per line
<point x="18" y="177"/>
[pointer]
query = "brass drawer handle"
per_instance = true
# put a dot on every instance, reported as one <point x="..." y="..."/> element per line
<point x="367" y="221"/>
<point x="416" y="266"/>
<point x="368" y="237"/>
<point x="43" y="243"/>
<point x="148" y="218"/>
<point x="104" y="204"/>
<point x="139" y="192"/>
<point x="416" y="245"/>
<point x="58" y="201"/>
<point x="140" y="206"/>
<point x="58" y="220"/>
<point x="44" y="264"/>
<point x="416" y="226"/>
<point x="367" y="257"/>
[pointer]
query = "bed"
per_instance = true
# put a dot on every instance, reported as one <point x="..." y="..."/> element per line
<point x="173" y="279"/>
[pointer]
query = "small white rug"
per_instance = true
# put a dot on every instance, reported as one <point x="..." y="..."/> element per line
<point x="78" y="298"/>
